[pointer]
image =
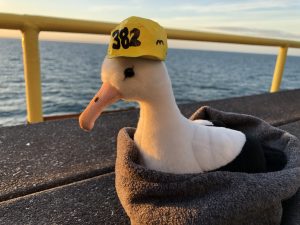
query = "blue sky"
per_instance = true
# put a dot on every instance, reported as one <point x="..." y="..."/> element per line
<point x="279" y="19"/>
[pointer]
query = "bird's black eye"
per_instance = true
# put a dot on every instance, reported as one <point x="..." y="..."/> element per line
<point x="128" y="72"/>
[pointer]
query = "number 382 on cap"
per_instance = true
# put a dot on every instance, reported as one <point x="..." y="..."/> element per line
<point x="138" y="37"/>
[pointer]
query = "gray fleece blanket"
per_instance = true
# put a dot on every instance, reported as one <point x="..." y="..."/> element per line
<point x="216" y="197"/>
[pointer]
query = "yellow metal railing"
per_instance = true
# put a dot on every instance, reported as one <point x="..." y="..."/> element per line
<point x="32" y="25"/>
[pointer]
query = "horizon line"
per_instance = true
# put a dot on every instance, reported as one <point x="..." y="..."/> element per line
<point x="172" y="46"/>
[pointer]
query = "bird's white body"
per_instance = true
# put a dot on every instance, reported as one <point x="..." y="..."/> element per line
<point x="167" y="141"/>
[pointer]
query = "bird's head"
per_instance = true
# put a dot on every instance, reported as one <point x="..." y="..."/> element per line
<point x="133" y="69"/>
<point x="130" y="79"/>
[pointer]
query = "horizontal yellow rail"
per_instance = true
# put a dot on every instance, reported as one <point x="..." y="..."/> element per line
<point x="42" y="23"/>
<point x="32" y="25"/>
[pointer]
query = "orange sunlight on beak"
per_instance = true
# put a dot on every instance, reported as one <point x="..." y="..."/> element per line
<point x="106" y="96"/>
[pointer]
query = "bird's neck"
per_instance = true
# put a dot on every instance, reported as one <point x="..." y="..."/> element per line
<point x="160" y="121"/>
<point x="159" y="115"/>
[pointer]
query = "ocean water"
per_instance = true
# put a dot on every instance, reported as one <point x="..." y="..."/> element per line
<point x="70" y="76"/>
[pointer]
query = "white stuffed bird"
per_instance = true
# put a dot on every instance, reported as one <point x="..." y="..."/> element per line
<point x="167" y="141"/>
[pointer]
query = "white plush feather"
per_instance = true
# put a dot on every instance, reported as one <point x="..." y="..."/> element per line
<point x="204" y="122"/>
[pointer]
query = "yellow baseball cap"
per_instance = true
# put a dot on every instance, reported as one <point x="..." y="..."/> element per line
<point x="138" y="37"/>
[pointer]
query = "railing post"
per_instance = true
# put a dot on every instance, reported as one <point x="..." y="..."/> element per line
<point x="32" y="74"/>
<point x="279" y="67"/>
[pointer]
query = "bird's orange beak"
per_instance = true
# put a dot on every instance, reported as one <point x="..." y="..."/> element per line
<point x="106" y="95"/>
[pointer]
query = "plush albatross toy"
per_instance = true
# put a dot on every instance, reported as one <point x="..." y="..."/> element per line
<point x="167" y="141"/>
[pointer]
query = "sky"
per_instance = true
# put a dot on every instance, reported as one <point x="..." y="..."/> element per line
<point x="275" y="19"/>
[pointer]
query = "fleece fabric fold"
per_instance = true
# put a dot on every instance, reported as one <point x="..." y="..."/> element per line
<point x="216" y="197"/>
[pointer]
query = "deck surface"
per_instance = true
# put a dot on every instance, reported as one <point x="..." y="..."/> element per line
<point x="54" y="173"/>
